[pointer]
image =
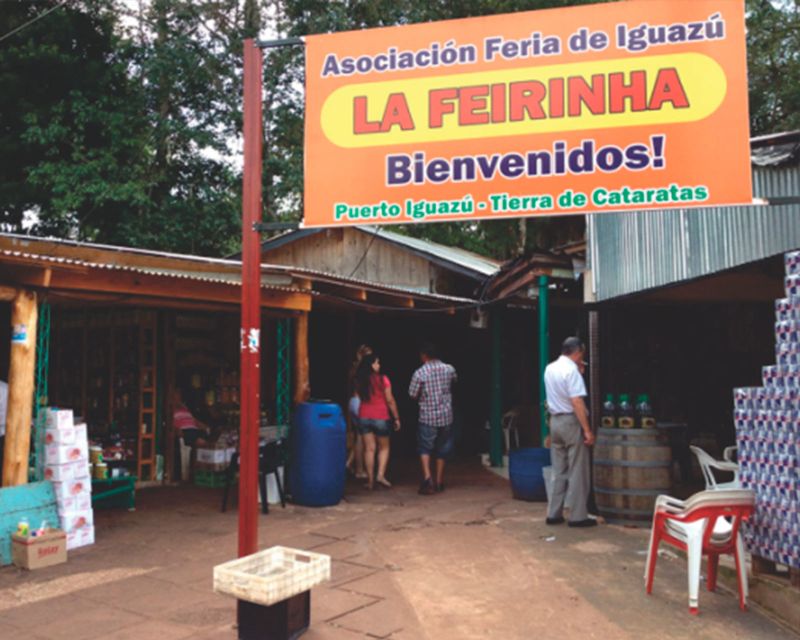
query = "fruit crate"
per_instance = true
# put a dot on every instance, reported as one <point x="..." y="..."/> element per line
<point x="209" y="479"/>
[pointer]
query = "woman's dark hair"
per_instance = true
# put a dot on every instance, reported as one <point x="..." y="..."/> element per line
<point x="364" y="376"/>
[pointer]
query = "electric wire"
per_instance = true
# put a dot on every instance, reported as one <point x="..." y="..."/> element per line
<point x="366" y="251"/>
<point x="34" y="19"/>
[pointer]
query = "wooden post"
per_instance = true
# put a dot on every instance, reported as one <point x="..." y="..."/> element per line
<point x="302" y="384"/>
<point x="250" y="334"/>
<point x="20" y="388"/>
<point x="496" y="411"/>
<point x="168" y="325"/>
<point x="595" y="399"/>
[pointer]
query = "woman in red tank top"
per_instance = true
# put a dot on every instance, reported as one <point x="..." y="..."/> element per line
<point x="377" y="415"/>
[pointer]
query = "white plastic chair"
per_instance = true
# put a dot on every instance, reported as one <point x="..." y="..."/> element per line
<point x="708" y="464"/>
<point x="690" y="526"/>
<point x="509" y="423"/>
<point x="729" y="452"/>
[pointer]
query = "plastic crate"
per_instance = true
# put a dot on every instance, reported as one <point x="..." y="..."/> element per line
<point x="272" y="575"/>
<point x="209" y="479"/>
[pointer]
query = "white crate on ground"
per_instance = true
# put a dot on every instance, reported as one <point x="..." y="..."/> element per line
<point x="272" y="575"/>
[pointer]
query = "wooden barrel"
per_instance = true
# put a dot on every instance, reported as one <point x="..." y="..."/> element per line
<point x="631" y="468"/>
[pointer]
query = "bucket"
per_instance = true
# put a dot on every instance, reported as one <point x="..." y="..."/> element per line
<point x="317" y="472"/>
<point x="525" y="472"/>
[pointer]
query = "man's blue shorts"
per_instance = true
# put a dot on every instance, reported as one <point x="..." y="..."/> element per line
<point x="438" y="440"/>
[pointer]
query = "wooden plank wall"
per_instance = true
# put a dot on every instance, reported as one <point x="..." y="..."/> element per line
<point x="339" y="251"/>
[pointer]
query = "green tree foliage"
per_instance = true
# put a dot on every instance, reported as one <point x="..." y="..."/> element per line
<point x="120" y="121"/>
<point x="121" y="133"/>
<point x="184" y="58"/>
<point x="773" y="60"/>
<point x="69" y="129"/>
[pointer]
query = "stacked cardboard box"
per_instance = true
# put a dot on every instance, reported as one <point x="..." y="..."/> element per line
<point x="66" y="456"/>
<point x="768" y="436"/>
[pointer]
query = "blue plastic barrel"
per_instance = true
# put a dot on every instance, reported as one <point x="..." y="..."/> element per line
<point x="319" y="454"/>
<point x="525" y="471"/>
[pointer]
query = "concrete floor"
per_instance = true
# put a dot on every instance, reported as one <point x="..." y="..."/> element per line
<point x="468" y="563"/>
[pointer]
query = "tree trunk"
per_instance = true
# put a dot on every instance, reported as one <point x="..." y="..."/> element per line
<point x="20" y="389"/>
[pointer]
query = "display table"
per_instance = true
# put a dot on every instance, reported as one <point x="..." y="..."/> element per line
<point x="103" y="490"/>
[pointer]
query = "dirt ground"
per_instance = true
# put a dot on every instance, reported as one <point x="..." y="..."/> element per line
<point x="466" y="564"/>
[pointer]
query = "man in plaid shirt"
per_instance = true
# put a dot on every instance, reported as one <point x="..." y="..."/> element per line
<point x="432" y="386"/>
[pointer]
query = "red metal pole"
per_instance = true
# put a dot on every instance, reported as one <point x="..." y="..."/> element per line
<point x="249" y="396"/>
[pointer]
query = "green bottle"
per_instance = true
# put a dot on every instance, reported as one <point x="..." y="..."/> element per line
<point x="625" y="414"/>
<point x="608" y="417"/>
<point x="645" y="412"/>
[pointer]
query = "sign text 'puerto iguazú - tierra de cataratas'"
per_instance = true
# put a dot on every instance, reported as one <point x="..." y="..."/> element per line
<point x="628" y="105"/>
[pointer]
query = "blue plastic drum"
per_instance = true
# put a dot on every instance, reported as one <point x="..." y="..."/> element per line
<point x="319" y="454"/>
<point x="525" y="472"/>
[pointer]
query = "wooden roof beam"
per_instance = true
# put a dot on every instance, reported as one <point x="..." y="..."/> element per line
<point x="7" y="293"/>
<point x="357" y="294"/>
<point x="169" y="288"/>
<point x="388" y="299"/>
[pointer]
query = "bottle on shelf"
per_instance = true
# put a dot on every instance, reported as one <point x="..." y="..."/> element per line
<point x="644" y="412"/>
<point x="608" y="417"/>
<point x="625" y="413"/>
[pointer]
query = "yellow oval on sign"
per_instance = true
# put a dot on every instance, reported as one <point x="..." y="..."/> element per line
<point x="627" y="92"/>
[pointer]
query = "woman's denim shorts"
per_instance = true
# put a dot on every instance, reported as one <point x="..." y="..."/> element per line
<point x="378" y="427"/>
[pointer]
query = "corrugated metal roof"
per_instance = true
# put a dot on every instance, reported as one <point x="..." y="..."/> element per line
<point x="56" y="252"/>
<point x="216" y="277"/>
<point x="462" y="260"/>
<point x="775" y="150"/>
<point x="461" y="257"/>
<point x="636" y="251"/>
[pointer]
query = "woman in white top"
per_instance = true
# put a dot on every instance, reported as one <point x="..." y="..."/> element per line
<point x="355" y="460"/>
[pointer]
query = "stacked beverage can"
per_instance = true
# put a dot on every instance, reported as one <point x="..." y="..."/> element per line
<point x="767" y="420"/>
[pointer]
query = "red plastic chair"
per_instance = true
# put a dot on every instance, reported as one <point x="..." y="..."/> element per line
<point x="689" y="526"/>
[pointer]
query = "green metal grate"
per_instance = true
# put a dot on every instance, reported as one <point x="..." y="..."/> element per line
<point x="42" y="391"/>
<point x="283" y="371"/>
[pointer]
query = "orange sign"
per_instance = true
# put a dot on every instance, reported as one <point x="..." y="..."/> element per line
<point x="630" y="105"/>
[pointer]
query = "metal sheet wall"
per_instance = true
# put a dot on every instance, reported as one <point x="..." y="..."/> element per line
<point x="640" y="250"/>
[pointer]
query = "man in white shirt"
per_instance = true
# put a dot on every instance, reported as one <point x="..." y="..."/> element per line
<point x="570" y="436"/>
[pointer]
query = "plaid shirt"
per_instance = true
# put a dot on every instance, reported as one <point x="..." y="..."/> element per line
<point x="432" y="385"/>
